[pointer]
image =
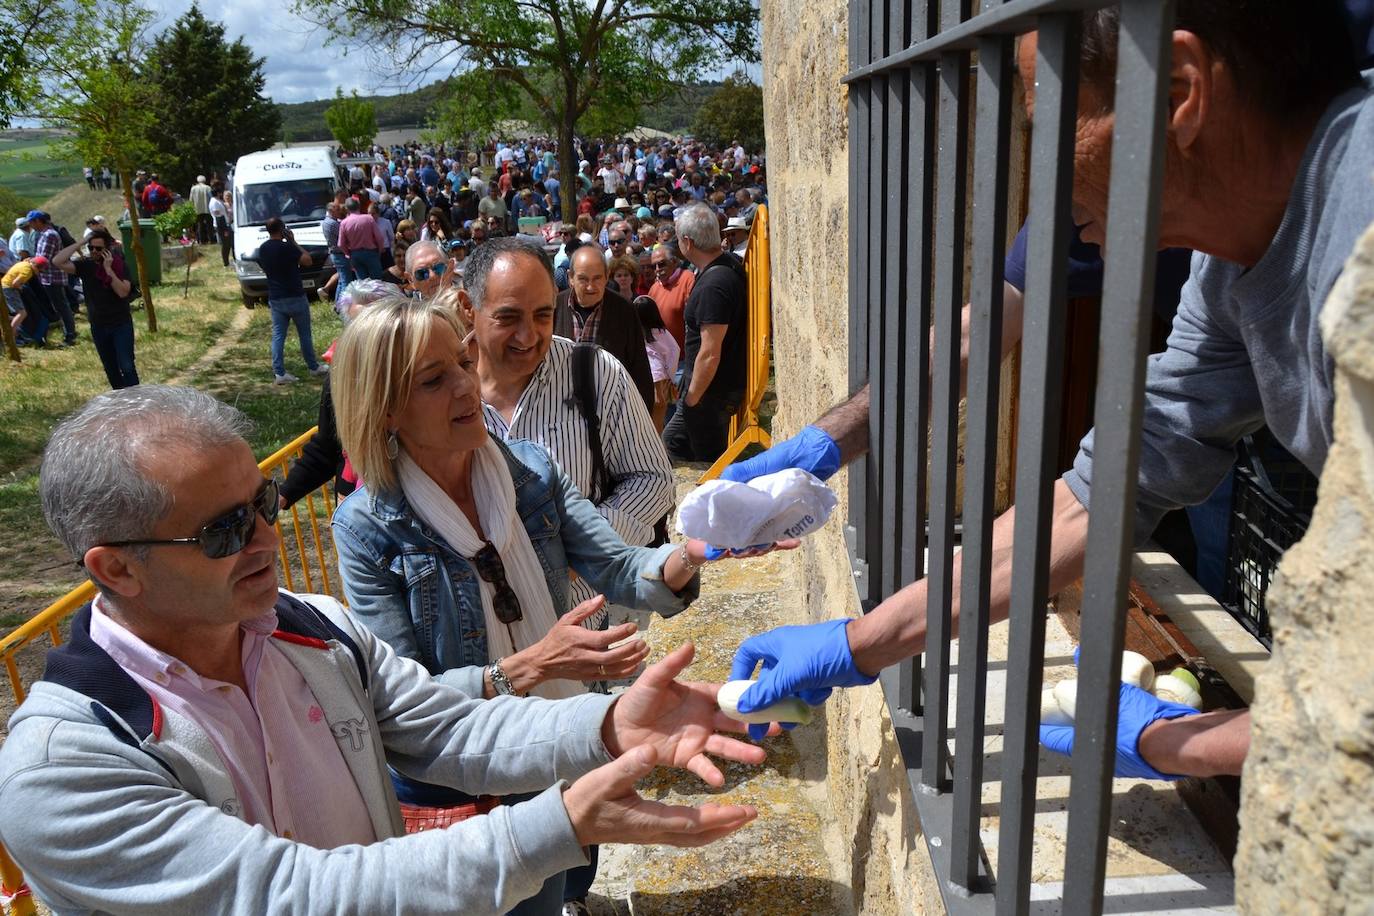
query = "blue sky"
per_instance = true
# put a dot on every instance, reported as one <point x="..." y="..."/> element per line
<point x="299" y="67"/>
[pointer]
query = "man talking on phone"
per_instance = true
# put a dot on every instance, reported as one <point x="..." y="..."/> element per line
<point x="105" y="282"/>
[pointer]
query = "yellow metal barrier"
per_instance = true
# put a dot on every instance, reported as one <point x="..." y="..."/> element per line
<point x="744" y="425"/>
<point x="303" y="557"/>
<point x="16" y="893"/>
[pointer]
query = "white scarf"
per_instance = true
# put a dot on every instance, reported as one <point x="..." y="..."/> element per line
<point x="494" y="491"/>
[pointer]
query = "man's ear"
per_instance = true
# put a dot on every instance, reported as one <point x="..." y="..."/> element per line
<point x="1192" y="80"/>
<point x="110" y="567"/>
<point x="467" y="311"/>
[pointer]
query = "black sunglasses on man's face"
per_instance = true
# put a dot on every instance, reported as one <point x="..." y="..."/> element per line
<point x="229" y="533"/>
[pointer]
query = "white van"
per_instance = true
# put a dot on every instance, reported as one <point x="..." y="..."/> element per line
<point x="295" y="184"/>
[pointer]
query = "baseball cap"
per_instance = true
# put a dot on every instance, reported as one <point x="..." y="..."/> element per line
<point x="20" y="222"/>
<point x="35" y="214"/>
<point x="644" y="213"/>
<point x="39" y="261"/>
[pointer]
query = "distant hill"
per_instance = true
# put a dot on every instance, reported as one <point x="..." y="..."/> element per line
<point x="305" y="120"/>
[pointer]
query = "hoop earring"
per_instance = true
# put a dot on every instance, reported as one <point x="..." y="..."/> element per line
<point x="393" y="446"/>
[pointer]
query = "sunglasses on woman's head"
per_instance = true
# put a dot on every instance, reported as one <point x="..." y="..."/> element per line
<point x="504" y="602"/>
<point x="229" y="533"/>
<point x="423" y="273"/>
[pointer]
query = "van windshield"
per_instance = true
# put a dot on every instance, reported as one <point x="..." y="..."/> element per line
<point x="293" y="201"/>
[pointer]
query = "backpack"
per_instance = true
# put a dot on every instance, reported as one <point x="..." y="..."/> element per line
<point x="584" y="393"/>
<point x="157" y="195"/>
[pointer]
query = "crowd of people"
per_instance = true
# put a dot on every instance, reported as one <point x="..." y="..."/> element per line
<point x="651" y="269"/>
<point x="497" y="417"/>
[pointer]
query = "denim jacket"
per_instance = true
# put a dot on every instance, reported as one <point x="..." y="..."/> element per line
<point x="408" y="586"/>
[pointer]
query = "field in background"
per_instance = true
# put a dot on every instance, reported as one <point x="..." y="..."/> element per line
<point x="72" y="206"/>
<point x="29" y="168"/>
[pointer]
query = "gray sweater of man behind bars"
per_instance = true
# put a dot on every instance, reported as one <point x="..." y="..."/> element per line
<point x="1245" y="350"/>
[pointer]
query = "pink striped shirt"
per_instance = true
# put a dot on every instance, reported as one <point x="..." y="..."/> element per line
<point x="285" y="765"/>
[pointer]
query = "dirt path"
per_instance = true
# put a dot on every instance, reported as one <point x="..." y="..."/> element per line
<point x="229" y="338"/>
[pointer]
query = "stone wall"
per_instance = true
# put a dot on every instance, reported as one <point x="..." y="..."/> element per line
<point x="1307" y="816"/>
<point x="875" y="843"/>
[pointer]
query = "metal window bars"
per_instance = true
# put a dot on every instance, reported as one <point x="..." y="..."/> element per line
<point x="910" y="143"/>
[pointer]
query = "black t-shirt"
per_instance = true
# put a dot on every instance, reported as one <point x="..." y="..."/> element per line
<point x="103" y="308"/>
<point x="281" y="261"/>
<point x="720" y="296"/>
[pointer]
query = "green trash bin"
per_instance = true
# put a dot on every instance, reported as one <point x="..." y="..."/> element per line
<point x="152" y="251"/>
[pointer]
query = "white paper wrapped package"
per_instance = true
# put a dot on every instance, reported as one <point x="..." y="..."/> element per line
<point x="787" y="504"/>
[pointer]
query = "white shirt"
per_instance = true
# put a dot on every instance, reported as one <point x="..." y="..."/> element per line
<point x="610" y="179"/>
<point x="634" y="453"/>
<point x="218" y="209"/>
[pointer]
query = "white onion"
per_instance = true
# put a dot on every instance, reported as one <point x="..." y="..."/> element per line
<point x="1177" y="690"/>
<point x="790" y="709"/>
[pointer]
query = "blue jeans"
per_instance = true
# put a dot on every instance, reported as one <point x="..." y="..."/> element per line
<point x="57" y="298"/>
<point x="116" y="348"/>
<point x="35" y="304"/>
<point x="367" y="264"/>
<point x="286" y="311"/>
<point x="342" y="268"/>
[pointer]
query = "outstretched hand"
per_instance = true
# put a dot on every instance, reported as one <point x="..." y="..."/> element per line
<point x="678" y="720"/>
<point x="712" y="554"/>
<point x="604" y="807"/>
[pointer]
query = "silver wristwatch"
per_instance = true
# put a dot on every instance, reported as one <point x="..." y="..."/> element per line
<point x="499" y="681"/>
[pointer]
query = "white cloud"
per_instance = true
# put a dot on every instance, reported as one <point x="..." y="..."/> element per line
<point x="299" y="67"/>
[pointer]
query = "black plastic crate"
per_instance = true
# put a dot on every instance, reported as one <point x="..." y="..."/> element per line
<point x="1271" y="505"/>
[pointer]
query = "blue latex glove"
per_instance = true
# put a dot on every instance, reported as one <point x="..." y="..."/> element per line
<point x="797" y="661"/>
<point x="1137" y="709"/>
<point x="812" y="450"/>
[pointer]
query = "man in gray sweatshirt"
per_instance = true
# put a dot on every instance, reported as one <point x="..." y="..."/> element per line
<point x="208" y="743"/>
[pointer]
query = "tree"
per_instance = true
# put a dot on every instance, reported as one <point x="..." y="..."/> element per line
<point x="352" y="121"/>
<point x="92" y="90"/>
<point x="25" y="42"/>
<point x="733" y="112"/>
<point x="212" y="105"/>
<point x="562" y="57"/>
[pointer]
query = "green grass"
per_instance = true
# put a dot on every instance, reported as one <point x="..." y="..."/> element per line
<point x="32" y="169"/>
<point x="49" y="384"/>
<point x="242" y="376"/>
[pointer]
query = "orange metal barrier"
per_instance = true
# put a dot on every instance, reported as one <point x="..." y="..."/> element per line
<point x="304" y="562"/>
<point x="744" y="425"/>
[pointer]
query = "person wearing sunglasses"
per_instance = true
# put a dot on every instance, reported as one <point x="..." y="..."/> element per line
<point x="457" y="552"/>
<point x="428" y="269"/>
<point x="207" y="743"/>
<point x="105" y="282"/>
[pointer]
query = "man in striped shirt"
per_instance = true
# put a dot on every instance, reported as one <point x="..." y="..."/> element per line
<point x="53" y="282"/>
<point x="527" y="391"/>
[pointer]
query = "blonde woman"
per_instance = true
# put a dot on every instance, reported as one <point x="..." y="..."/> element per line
<point x="457" y="551"/>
